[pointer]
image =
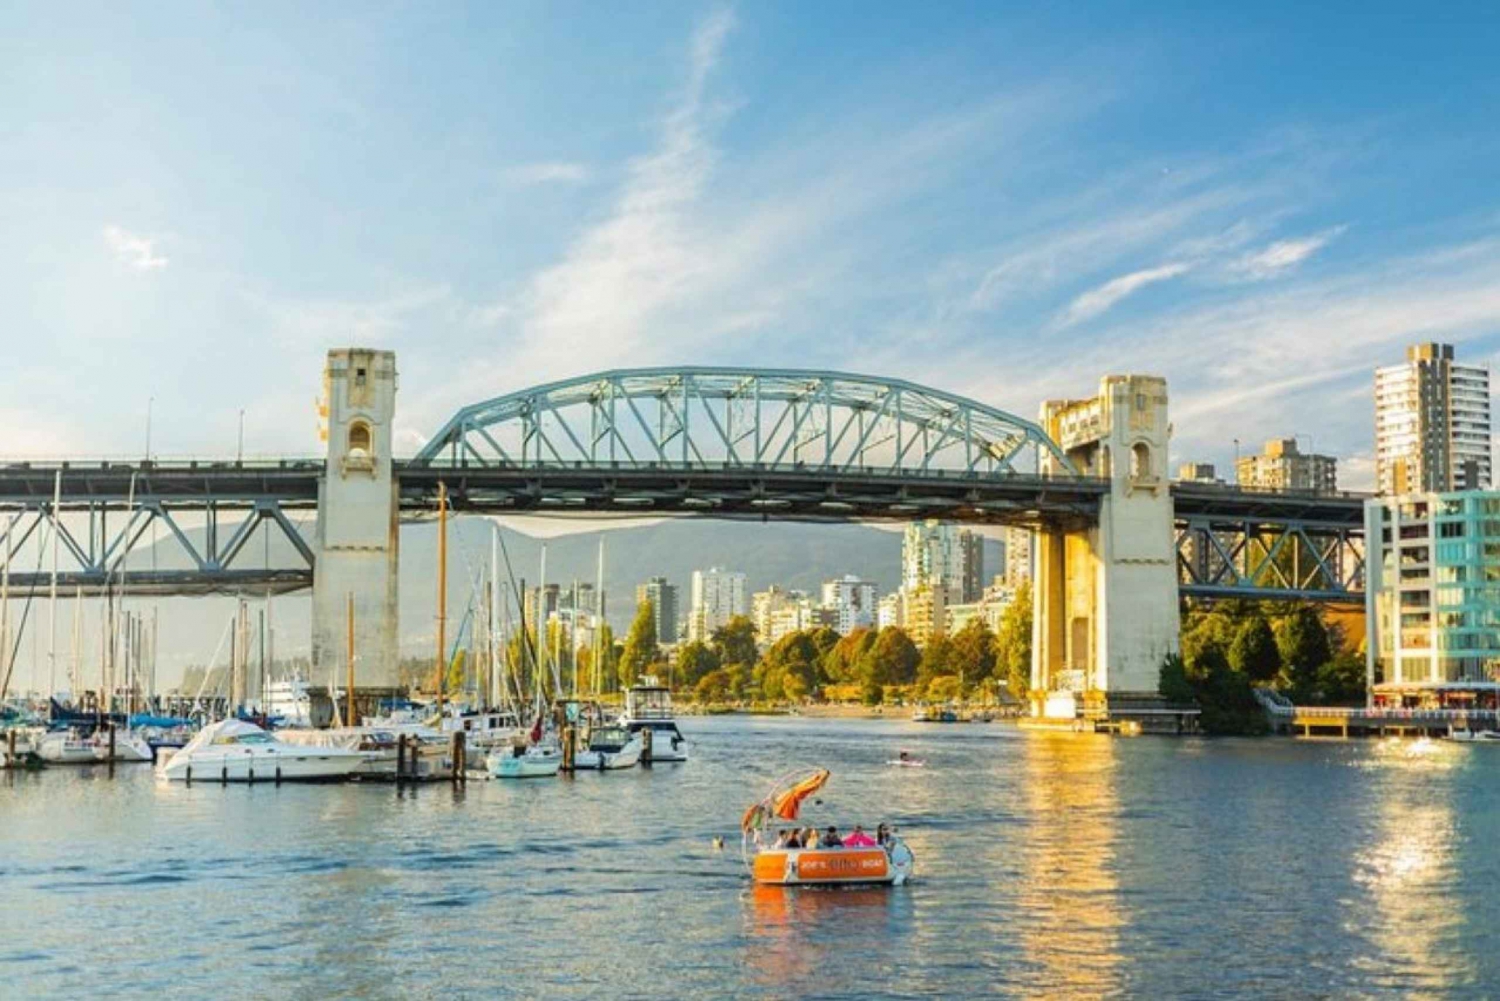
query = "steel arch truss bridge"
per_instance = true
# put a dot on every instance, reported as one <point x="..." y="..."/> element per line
<point x="716" y="418"/>
<point x="748" y="442"/>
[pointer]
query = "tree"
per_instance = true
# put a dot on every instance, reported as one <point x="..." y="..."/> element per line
<point x="1253" y="652"/>
<point x="694" y="661"/>
<point x="790" y="668"/>
<point x="1013" y="643"/>
<point x="1224" y="695"/>
<point x="1303" y="643"/>
<point x="1341" y="681"/>
<point x="842" y="662"/>
<point x="734" y="641"/>
<point x="1174" y="685"/>
<point x="455" y="680"/>
<point x="893" y="658"/>
<point x="715" y="686"/>
<point x="606" y="642"/>
<point x="943" y="689"/>
<point x="824" y="639"/>
<point x="938" y="661"/>
<point x="974" y="652"/>
<point x="871" y="692"/>
<point x="641" y="650"/>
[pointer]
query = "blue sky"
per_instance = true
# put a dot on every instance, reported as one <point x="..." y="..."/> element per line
<point x="998" y="199"/>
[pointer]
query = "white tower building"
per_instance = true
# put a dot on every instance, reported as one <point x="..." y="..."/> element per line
<point x="357" y="531"/>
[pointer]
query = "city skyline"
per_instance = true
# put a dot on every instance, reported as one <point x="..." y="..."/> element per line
<point x="1226" y="236"/>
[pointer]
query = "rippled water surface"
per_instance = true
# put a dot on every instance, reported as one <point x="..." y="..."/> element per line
<point x="1048" y="865"/>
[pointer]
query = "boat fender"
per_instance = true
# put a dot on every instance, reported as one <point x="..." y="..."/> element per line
<point x="601" y="761"/>
<point x="189" y="774"/>
<point x="252" y="775"/>
<point x="278" y="774"/>
<point x="224" y="773"/>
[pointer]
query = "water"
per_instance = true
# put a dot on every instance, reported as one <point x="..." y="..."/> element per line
<point x="1048" y="865"/>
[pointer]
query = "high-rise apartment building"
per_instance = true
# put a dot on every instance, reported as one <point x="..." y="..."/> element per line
<point x="1017" y="556"/>
<point x="1282" y="466"/>
<point x="718" y="596"/>
<point x="1432" y="424"/>
<point x="941" y="554"/>
<point x="1198" y="472"/>
<point x="852" y="602"/>
<point x="663" y="597"/>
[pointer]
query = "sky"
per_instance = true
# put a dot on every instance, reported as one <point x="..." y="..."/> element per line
<point x="1260" y="202"/>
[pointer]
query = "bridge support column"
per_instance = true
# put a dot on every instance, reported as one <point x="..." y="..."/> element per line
<point x="1105" y="595"/>
<point x="358" y="531"/>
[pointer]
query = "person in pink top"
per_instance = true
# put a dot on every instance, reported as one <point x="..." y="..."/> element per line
<point x="859" y="839"/>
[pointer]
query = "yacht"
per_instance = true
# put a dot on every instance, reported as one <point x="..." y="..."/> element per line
<point x="233" y="750"/>
<point x="648" y="706"/>
<point x="427" y="755"/>
<point x="292" y="702"/>
<point x="535" y="762"/>
<point x="129" y="745"/>
<point x="609" y="748"/>
<point x="66" y="747"/>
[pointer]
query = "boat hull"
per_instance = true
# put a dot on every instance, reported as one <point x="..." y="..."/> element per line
<point x="315" y="765"/>
<point x="525" y="766"/>
<point x="65" y="749"/>
<point x="829" y="867"/>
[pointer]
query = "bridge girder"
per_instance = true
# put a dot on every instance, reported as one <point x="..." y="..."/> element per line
<point x="705" y="418"/>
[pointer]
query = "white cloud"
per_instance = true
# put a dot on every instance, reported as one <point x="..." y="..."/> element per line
<point x="135" y="251"/>
<point x="548" y="173"/>
<point x="1282" y="255"/>
<point x="1100" y="300"/>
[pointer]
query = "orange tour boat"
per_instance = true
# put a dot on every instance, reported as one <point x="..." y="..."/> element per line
<point x="771" y="862"/>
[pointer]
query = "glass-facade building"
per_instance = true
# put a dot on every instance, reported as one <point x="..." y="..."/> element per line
<point x="1432" y="598"/>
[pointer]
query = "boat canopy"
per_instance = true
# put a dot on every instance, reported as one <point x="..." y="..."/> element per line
<point x="226" y="731"/>
<point x="784" y="801"/>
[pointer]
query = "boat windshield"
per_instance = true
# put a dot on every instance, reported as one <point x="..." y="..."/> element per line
<point x="254" y="738"/>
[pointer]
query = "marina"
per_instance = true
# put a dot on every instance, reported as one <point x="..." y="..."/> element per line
<point x="1047" y="864"/>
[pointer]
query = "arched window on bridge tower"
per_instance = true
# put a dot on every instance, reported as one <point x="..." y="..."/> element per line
<point x="1140" y="462"/>
<point x="360" y="454"/>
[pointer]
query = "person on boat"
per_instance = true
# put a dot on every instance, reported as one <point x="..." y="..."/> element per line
<point x="883" y="835"/>
<point x="791" y="839"/>
<point x="831" y="838"/>
<point x="903" y="756"/>
<point x="781" y="840"/>
<point x="859" y="839"/>
<point x="810" y="838"/>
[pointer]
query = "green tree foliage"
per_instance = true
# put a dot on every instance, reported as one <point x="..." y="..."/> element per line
<point x="1013" y="644"/>
<point x="944" y="688"/>
<point x="871" y="692"/>
<point x="734" y="641"/>
<point x="842" y="662"/>
<point x="1224" y="696"/>
<point x="1174" y="684"/>
<point x="1302" y="640"/>
<point x="824" y="639"/>
<point x="715" y="686"/>
<point x="938" y="661"/>
<point x="791" y="668"/>
<point x="606" y="641"/>
<point x="1253" y="652"/>
<point x="641" y="651"/>
<point x="974" y="652"/>
<point x="892" y="660"/>
<point x="1341" y="681"/>
<point x="694" y="661"/>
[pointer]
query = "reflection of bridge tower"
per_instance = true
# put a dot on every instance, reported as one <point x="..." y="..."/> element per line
<point x="357" y="526"/>
<point x="1105" y="596"/>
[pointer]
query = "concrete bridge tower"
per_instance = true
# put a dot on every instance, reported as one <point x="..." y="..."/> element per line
<point x="1105" y="596"/>
<point x="357" y="531"/>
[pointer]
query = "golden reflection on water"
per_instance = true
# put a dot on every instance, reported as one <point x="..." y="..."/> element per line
<point x="1409" y="910"/>
<point x="1071" y="887"/>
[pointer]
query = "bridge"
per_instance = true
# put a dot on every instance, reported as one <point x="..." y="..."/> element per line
<point x="1089" y="478"/>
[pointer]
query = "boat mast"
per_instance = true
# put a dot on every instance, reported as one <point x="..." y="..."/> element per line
<point x="494" y="616"/>
<point x="5" y="609"/>
<point x="540" y="620"/>
<point x="442" y="595"/>
<point x="349" y="692"/>
<point x="52" y="592"/>
<point x="598" y="634"/>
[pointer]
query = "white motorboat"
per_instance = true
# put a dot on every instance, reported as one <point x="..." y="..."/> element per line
<point x="1474" y="736"/>
<point x="427" y="754"/>
<point x="66" y="747"/>
<point x="297" y="704"/>
<point x="648" y="706"/>
<point x="610" y="747"/>
<point x="130" y="746"/>
<point x="235" y="751"/>
<point x="538" y="761"/>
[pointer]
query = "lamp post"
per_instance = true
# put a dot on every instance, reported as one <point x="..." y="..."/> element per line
<point x="150" y="401"/>
<point x="1236" y="462"/>
<point x="239" y="453"/>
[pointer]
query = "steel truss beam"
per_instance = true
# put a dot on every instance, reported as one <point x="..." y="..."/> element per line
<point x="101" y="547"/>
<point x="714" y="418"/>
<point x="1270" y="557"/>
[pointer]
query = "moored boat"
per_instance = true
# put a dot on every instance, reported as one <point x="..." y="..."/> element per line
<point x="236" y="751"/>
<point x="535" y="762"/>
<point x="610" y="748"/>
<point x="648" y="706"/>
